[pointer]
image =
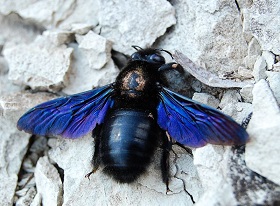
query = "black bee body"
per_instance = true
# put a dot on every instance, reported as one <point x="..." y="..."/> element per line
<point x="128" y="141"/>
<point x="130" y="134"/>
<point x="131" y="117"/>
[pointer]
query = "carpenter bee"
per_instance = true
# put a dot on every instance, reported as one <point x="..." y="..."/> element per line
<point x="131" y="116"/>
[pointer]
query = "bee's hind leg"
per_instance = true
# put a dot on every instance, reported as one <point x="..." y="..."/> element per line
<point x="96" y="156"/>
<point x="165" y="165"/>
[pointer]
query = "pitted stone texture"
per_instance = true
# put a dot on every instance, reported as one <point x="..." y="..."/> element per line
<point x="128" y="23"/>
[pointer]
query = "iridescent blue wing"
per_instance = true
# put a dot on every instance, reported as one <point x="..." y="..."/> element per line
<point x="71" y="117"/>
<point x="195" y="124"/>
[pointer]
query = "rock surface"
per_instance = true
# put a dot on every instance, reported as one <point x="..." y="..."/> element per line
<point x="264" y="130"/>
<point x="209" y="33"/>
<point x="14" y="143"/>
<point x="262" y="20"/>
<point x="48" y="182"/>
<point x="122" y="22"/>
<point x="41" y="65"/>
<point x="66" y="47"/>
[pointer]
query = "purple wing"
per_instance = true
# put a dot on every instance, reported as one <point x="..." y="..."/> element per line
<point x="195" y="124"/>
<point x="71" y="117"/>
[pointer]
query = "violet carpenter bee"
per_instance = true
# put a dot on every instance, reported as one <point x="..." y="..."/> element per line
<point x="131" y="116"/>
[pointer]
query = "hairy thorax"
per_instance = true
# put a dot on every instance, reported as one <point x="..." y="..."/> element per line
<point x="133" y="83"/>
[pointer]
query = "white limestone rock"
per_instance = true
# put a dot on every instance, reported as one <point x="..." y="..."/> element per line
<point x="27" y="199"/>
<point x="209" y="33"/>
<point x="7" y="188"/>
<point x="269" y="58"/>
<point x="37" y="201"/>
<point x="82" y="12"/>
<point x="74" y="157"/>
<point x="246" y="93"/>
<point x="244" y="72"/>
<point x="276" y="67"/>
<point x="85" y="74"/>
<point x="13" y="143"/>
<point x="57" y="37"/>
<point x="15" y="30"/>
<point x="264" y="130"/>
<point x="206" y="99"/>
<point x="262" y="20"/>
<point x="239" y="111"/>
<point x="48" y="182"/>
<point x="273" y="79"/>
<point x="254" y="51"/>
<point x="6" y="86"/>
<point x="47" y="13"/>
<point x="127" y="23"/>
<point x="250" y="188"/>
<point x="96" y="48"/>
<point x="229" y="97"/>
<point x="259" y="69"/>
<point x="81" y="28"/>
<point x="40" y="65"/>
<point x="212" y="167"/>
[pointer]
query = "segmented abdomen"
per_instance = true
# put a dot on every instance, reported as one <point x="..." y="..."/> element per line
<point x="128" y="140"/>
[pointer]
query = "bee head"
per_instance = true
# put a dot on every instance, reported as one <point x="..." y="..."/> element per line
<point x="149" y="55"/>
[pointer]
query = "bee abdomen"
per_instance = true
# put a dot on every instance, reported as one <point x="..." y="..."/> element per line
<point x="128" y="140"/>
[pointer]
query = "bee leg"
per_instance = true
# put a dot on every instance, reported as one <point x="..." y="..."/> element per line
<point x="96" y="158"/>
<point x="165" y="166"/>
<point x="188" y="150"/>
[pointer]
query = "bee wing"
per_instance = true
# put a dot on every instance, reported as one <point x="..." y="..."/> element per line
<point x="195" y="124"/>
<point x="70" y="117"/>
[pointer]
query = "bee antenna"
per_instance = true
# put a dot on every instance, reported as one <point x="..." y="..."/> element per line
<point x="137" y="48"/>
<point x="168" y="52"/>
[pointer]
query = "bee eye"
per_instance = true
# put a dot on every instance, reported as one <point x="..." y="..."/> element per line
<point x="136" y="56"/>
<point x="156" y="58"/>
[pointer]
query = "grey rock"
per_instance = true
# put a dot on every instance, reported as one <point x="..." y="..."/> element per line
<point x="244" y="72"/>
<point x="202" y="74"/>
<point x="276" y="67"/>
<point x="264" y="131"/>
<point x="259" y="69"/>
<point x="89" y="10"/>
<point x="254" y="51"/>
<point x="81" y="28"/>
<point x="104" y="190"/>
<point x="124" y="24"/>
<point x="48" y="182"/>
<point x="15" y="30"/>
<point x="26" y="182"/>
<point x="46" y="13"/>
<point x="196" y="86"/>
<point x="85" y="74"/>
<point x="269" y="58"/>
<point x="7" y="188"/>
<point x="273" y="79"/>
<point x="40" y="65"/>
<point x="246" y="93"/>
<point x="6" y="86"/>
<point x="37" y="201"/>
<point x="96" y="49"/>
<point x="57" y="37"/>
<point x="206" y="99"/>
<point x="75" y="185"/>
<point x="249" y="187"/>
<point x="13" y="143"/>
<point x="27" y="199"/>
<point x="230" y="97"/>
<point x="211" y="162"/>
<point x="213" y="31"/>
<point x="239" y="111"/>
<point x="262" y="20"/>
